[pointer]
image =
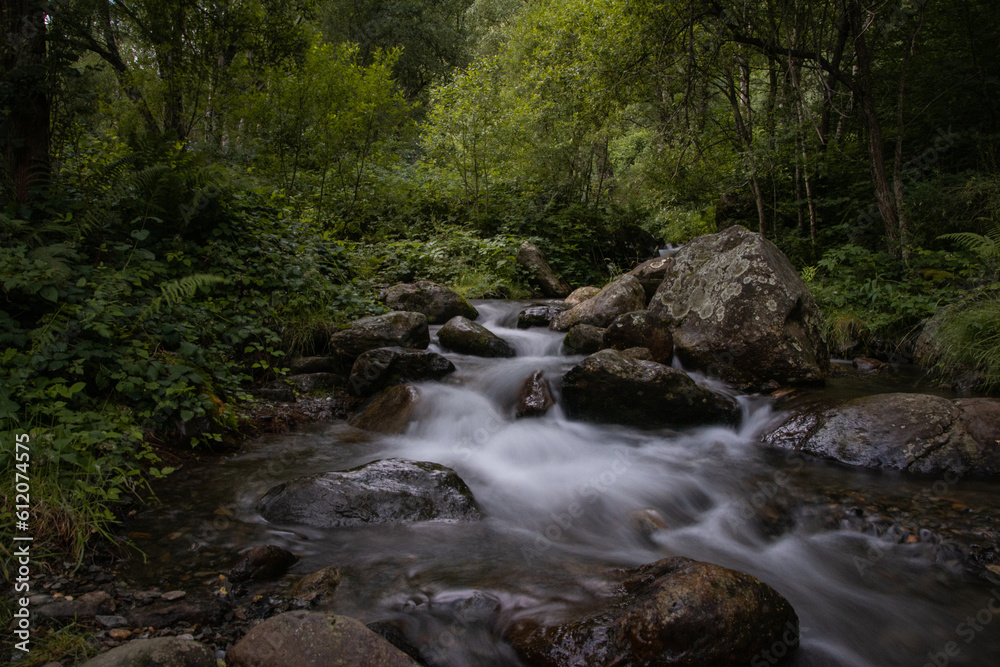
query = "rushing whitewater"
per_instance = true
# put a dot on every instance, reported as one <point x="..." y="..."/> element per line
<point x="565" y="500"/>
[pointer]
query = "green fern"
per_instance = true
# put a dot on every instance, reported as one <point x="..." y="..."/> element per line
<point x="987" y="246"/>
<point x="174" y="292"/>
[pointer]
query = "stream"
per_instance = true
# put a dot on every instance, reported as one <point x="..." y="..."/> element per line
<point x="566" y="500"/>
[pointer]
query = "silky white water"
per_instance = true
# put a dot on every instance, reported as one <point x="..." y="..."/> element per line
<point x="565" y="501"/>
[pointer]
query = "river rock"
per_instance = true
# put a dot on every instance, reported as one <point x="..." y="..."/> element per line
<point x="622" y="296"/>
<point x="262" y="562"/>
<point x="466" y="337"/>
<point x="156" y="652"/>
<point x="539" y="316"/>
<point x="377" y="369"/>
<point x="87" y="605"/>
<point x="536" y="396"/>
<point x="321" y="583"/>
<point x="384" y="492"/>
<point x="400" y="329"/>
<point x="310" y="639"/>
<point x="390" y="411"/>
<point x="642" y="329"/>
<point x="609" y="387"/>
<point x="581" y="294"/>
<point x="315" y="382"/>
<point x="672" y="612"/>
<point x="912" y="432"/>
<point x="584" y="339"/>
<point x="167" y="613"/>
<point x="743" y="312"/>
<point x="437" y="302"/>
<point x="533" y="261"/>
<point x="320" y="364"/>
<point x="650" y="274"/>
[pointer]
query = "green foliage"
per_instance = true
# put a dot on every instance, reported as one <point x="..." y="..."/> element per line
<point x="968" y="339"/>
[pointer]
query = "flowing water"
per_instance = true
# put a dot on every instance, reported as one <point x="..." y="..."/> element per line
<point x="562" y="500"/>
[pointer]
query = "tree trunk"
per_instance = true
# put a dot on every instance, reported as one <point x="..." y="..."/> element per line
<point x="25" y="130"/>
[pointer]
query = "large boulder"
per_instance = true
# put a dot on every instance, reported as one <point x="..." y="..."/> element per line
<point x="437" y="302"/>
<point x="310" y="639"/>
<point x="383" y="367"/>
<point x="743" y="313"/>
<point x="539" y="316"/>
<point x="581" y="294"/>
<point x="672" y="612"/>
<point x="650" y="274"/>
<point x="533" y="261"/>
<point x="399" y="329"/>
<point x="390" y="411"/>
<point x="622" y="296"/>
<point x="912" y="432"/>
<point x="385" y="492"/>
<point x="610" y="387"/>
<point x="156" y="652"/>
<point x="642" y="329"/>
<point x="465" y="336"/>
<point x="584" y="339"/>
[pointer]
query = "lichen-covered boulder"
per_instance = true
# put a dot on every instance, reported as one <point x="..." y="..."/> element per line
<point x="384" y="492"/>
<point x="581" y="294"/>
<point x="533" y="261"/>
<point x="465" y="336"/>
<point x="311" y="639"/>
<point x="400" y="329"/>
<point x="650" y="274"/>
<point x="622" y="296"/>
<point x="383" y="367"/>
<point x="539" y="316"/>
<point x="911" y="432"/>
<point x="584" y="339"/>
<point x="609" y="387"/>
<point x="672" y="612"/>
<point x="642" y="329"/>
<point x="743" y="313"/>
<point x="438" y="303"/>
<point x="390" y="411"/>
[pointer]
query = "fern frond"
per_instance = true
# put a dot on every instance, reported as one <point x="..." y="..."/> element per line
<point x="174" y="292"/>
<point x="985" y="245"/>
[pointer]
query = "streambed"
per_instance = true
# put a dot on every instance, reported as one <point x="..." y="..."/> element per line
<point x="565" y="500"/>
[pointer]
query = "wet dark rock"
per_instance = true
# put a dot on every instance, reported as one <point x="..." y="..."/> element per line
<point x="316" y="382"/>
<point x="743" y="312"/>
<point x="309" y="365"/>
<point x="533" y="261"/>
<point x="385" y="492"/>
<point x="392" y="633"/>
<point x="437" y="302"/>
<point x="642" y="329"/>
<point x="611" y="388"/>
<point x="868" y="365"/>
<point x="581" y="294"/>
<point x="637" y="353"/>
<point x="111" y="621"/>
<point x="538" y="316"/>
<point x="912" y="432"/>
<point x="377" y="369"/>
<point x="262" y="562"/>
<point x="466" y="337"/>
<point x="389" y="411"/>
<point x="166" y="613"/>
<point x="584" y="339"/>
<point x="400" y="329"/>
<point x="276" y="390"/>
<point x="622" y="296"/>
<point x="156" y="652"/>
<point x="673" y="612"/>
<point x="536" y="396"/>
<point x="650" y="274"/>
<point x="310" y="639"/>
<point x="87" y="605"/>
<point x="320" y="584"/>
